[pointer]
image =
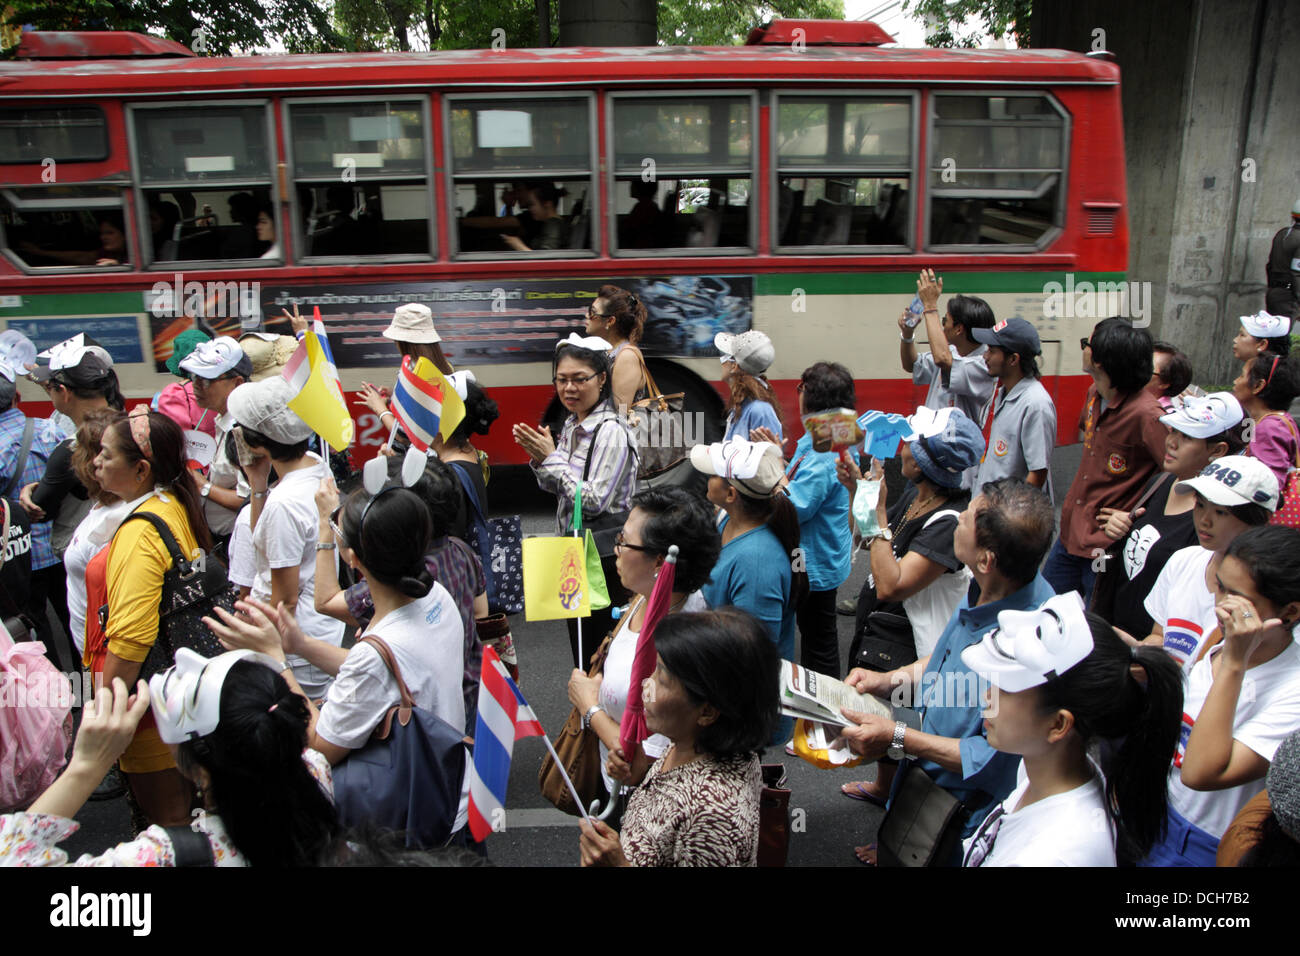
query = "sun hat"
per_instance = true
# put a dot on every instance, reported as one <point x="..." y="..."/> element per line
<point x="267" y="352"/>
<point x="182" y="346"/>
<point x="944" y="444"/>
<point x="754" y="468"/>
<point x="412" y="322"/>
<point x="1234" y="480"/>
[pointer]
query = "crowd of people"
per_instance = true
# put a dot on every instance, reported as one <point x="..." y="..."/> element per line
<point x="1136" y="666"/>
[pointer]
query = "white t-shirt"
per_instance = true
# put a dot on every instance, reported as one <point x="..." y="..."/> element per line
<point x="1066" y="829"/>
<point x="90" y="536"/>
<point x="428" y="642"/>
<point x="1268" y="710"/>
<point x="618" y="675"/>
<point x="1181" y="603"/>
<point x="224" y="475"/>
<point x="285" y="536"/>
<point x="243" y="556"/>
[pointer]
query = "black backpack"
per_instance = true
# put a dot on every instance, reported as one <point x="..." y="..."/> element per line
<point x="191" y="588"/>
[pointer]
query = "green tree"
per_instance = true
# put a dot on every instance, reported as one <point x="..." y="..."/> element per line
<point x="437" y="24"/>
<point x="728" y="22"/>
<point x="999" y="18"/>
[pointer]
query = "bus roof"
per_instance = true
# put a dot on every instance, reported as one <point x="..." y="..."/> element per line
<point x="559" y="66"/>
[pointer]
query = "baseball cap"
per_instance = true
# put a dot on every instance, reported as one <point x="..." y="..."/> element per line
<point x="79" y="361"/>
<point x="16" y="353"/>
<point x="1205" y="416"/>
<point x="264" y="407"/>
<point x="1265" y="325"/>
<point x="754" y="468"/>
<point x="752" y="351"/>
<point x="182" y="346"/>
<point x="1014" y="335"/>
<point x="1029" y="648"/>
<point x="944" y="444"/>
<point x="1234" y="480"/>
<point x="211" y="360"/>
<point x="186" y="697"/>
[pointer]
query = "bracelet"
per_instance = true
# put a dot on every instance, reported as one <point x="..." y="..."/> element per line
<point x="592" y="711"/>
<point x="386" y="412"/>
<point x="904" y="338"/>
<point x="287" y="666"/>
<point x="927" y="311"/>
<point x="327" y="545"/>
<point x="260" y="494"/>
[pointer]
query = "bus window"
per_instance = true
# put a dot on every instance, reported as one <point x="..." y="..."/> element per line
<point x="843" y="167"/>
<point x="205" y="175"/>
<point x="997" y="170"/>
<point x="65" y="226"/>
<point x="65" y="134"/>
<point x="361" y="185"/>
<point x="521" y="174"/>
<point x="683" y="172"/>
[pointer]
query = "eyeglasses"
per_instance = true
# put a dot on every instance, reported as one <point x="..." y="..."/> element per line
<point x="200" y="382"/>
<point x="578" y="380"/>
<point x="621" y="545"/>
<point x="800" y="387"/>
<point x="1085" y="343"/>
<point x="592" y="313"/>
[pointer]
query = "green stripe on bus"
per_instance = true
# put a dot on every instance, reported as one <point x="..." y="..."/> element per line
<point x="896" y="283"/>
<point x="71" y="303"/>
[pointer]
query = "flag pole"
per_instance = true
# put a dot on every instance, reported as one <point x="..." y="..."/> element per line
<point x="559" y="765"/>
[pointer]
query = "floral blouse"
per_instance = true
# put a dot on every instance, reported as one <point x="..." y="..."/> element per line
<point x="704" y="813"/>
<point x="31" y="839"/>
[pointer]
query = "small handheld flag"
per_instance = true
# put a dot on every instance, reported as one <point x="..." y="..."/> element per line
<point x="555" y="579"/>
<point x="319" y="397"/>
<point x="417" y="401"/>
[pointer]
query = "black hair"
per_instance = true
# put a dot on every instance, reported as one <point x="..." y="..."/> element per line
<point x="480" y="412"/>
<point x="440" y="490"/>
<point x="781" y="519"/>
<point x="827" y="385"/>
<point x="627" y="310"/>
<point x="166" y="466"/>
<point x="1029" y="366"/>
<point x="971" y="312"/>
<point x="1108" y="702"/>
<point x="1248" y="512"/>
<point x="279" y="451"/>
<point x="547" y="192"/>
<point x="106" y="387"/>
<point x="1178" y="370"/>
<point x="680" y="517"/>
<point x="1016" y="524"/>
<point x="1234" y="438"/>
<point x="114" y="219"/>
<point x="1124" y="353"/>
<point x="369" y="845"/>
<point x="725" y="658"/>
<point x="8" y="390"/>
<point x="392" y="540"/>
<point x="1281" y="383"/>
<point x="597" y="361"/>
<point x="270" y="804"/>
<point x="1272" y="846"/>
<point x="1271" y="556"/>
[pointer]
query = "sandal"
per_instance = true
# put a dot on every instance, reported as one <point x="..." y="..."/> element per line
<point x="857" y="790"/>
<point x="866" y="855"/>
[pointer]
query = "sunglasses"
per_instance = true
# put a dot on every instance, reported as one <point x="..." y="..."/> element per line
<point x="591" y="312"/>
<point x="1085" y="343"/>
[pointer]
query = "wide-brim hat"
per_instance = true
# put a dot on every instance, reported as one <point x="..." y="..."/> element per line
<point x="412" y="322"/>
<point x="944" y="453"/>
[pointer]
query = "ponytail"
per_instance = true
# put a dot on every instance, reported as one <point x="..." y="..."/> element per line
<point x="783" y="521"/>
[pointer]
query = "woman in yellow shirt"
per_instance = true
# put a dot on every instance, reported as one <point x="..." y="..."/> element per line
<point x="142" y="461"/>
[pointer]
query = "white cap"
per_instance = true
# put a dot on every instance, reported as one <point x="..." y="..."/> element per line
<point x="214" y="359"/>
<point x="755" y="468"/>
<point x="1205" y="416"/>
<point x="751" y="350"/>
<point x="460" y="382"/>
<point x="16" y="353"/>
<point x="592" y="343"/>
<point x="264" y="407"/>
<point x="1265" y="325"/>
<point x="1029" y="648"/>
<point x="927" y="422"/>
<point x="1235" y="480"/>
<point x="186" y="697"/>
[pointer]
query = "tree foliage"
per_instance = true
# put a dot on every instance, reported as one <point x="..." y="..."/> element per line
<point x="946" y="17"/>
<point x="728" y="22"/>
<point x="438" y="24"/>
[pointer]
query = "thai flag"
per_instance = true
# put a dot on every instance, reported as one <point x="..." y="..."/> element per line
<point x="417" y="403"/>
<point x="318" y="326"/>
<point x="503" y="717"/>
<point x="1182" y="638"/>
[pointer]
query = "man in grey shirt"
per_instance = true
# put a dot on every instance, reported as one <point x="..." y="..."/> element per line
<point x="1024" y="419"/>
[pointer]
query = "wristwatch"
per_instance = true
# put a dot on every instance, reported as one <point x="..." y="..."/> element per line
<point x="895" y="751"/>
<point x="591" y="712"/>
<point x="327" y="545"/>
<point x="203" y="492"/>
<point x="885" y="534"/>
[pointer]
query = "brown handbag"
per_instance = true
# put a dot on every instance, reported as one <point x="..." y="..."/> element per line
<point x="659" y="423"/>
<point x="773" y="817"/>
<point x="579" y="752"/>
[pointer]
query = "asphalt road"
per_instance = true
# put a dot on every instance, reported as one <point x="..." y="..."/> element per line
<point x="825" y="825"/>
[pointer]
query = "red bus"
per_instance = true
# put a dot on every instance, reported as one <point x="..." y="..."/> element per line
<point x="795" y="185"/>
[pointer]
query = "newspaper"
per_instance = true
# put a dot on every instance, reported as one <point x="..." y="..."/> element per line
<point x="816" y="697"/>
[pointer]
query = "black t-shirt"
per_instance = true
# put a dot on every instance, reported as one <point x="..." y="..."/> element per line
<point x="1154" y="538"/>
<point x="59" y="481"/>
<point x="929" y="538"/>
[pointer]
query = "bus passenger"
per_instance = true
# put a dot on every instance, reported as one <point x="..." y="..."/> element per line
<point x="266" y="231"/>
<point x="618" y="317"/>
<point x="596" y="448"/>
<point x="553" y="229"/>
<point x="752" y="403"/>
<point x="163" y="217"/>
<point x="112" y="249"/>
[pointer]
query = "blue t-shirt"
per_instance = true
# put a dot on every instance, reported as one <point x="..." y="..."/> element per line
<point x="753" y="573"/>
<point x="822" y="504"/>
<point x="755" y="413"/>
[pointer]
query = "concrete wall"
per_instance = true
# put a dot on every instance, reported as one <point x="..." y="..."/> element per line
<point x="1206" y="85"/>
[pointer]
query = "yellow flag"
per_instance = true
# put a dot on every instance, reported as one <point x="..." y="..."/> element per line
<point x="319" y="401"/>
<point x="453" y="407"/>
<point x="555" y="579"/>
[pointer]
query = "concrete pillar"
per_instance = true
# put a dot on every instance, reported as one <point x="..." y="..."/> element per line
<point x="608" y="22"/>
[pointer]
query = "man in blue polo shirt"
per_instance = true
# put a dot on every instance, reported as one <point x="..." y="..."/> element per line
<point x="1002" y="537"/>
